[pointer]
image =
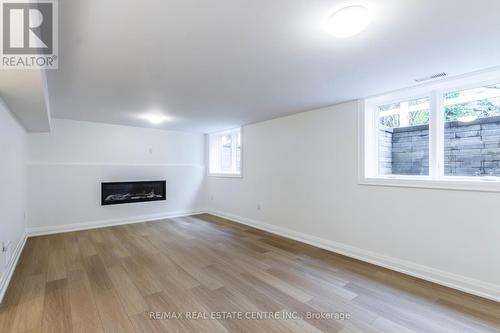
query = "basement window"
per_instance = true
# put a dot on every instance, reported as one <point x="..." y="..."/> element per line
<point x="441" y="135"/>
<point x="225" y="153"/>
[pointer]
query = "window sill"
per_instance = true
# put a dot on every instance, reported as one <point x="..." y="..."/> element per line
<point x="225" y="175"/>
<point x="486" y="184"/>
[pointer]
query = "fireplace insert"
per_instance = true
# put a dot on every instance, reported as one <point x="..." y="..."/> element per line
<point x="126" y="192"/>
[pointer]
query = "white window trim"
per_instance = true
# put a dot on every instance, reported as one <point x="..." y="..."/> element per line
<point x="223" y="174"/>
<point x="368" y="137"/>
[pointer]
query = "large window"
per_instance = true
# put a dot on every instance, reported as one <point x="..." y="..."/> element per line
<point x="445" y="134"/>
<point x="225" y="153"/>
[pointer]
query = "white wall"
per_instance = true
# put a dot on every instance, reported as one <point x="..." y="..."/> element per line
<point x="302" y="169"/>
<point x="66" y="168"/>
<point x="12" y="185"/>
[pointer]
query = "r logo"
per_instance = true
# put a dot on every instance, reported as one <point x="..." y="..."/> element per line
<point x="27" y="28"/>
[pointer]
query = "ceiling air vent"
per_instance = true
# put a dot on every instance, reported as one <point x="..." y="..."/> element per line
<point x="431" y="77"/>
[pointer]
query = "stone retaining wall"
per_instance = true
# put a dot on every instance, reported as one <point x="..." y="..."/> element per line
<point x="470" y="149"/>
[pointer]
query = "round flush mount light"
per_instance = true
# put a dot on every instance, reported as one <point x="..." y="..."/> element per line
<point x="349" y="21"/>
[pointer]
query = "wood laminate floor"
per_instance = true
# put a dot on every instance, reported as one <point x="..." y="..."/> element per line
<point x="111" y="279"/>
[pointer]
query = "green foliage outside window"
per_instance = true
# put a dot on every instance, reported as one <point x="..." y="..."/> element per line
<point x="481" y="109"/>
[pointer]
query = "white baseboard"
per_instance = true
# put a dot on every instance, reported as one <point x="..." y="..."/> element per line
<point x="39" y="231"/>
<point x="451" y="280"/>
<point x="11" y="266"/>
<point x="458" y="282"/>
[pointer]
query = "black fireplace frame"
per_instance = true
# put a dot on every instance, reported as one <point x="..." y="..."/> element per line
<point x="162" y="182"/>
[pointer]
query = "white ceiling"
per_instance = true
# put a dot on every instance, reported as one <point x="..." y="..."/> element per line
<point x="216" y="64"/>
<point x="25" y="93"/>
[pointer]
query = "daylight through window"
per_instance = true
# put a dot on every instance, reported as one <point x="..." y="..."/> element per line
<point x="225" y="153"/>
<point x="442" y="132"/>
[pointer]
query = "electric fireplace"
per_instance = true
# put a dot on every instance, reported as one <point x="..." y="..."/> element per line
<point x="126" y="192"/>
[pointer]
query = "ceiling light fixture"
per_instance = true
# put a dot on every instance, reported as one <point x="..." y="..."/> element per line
<point x="155" y="118"/>
<point x="349" y="21"/>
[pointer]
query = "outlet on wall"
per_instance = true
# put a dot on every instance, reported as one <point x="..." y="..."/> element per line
<point x="5" y="253"/>
<point x="211" y="198"/>
<point x="259" y="206"/>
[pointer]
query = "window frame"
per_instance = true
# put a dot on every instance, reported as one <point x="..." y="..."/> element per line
<point x="368" y="127"/>
<point x="233" y="153"/>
